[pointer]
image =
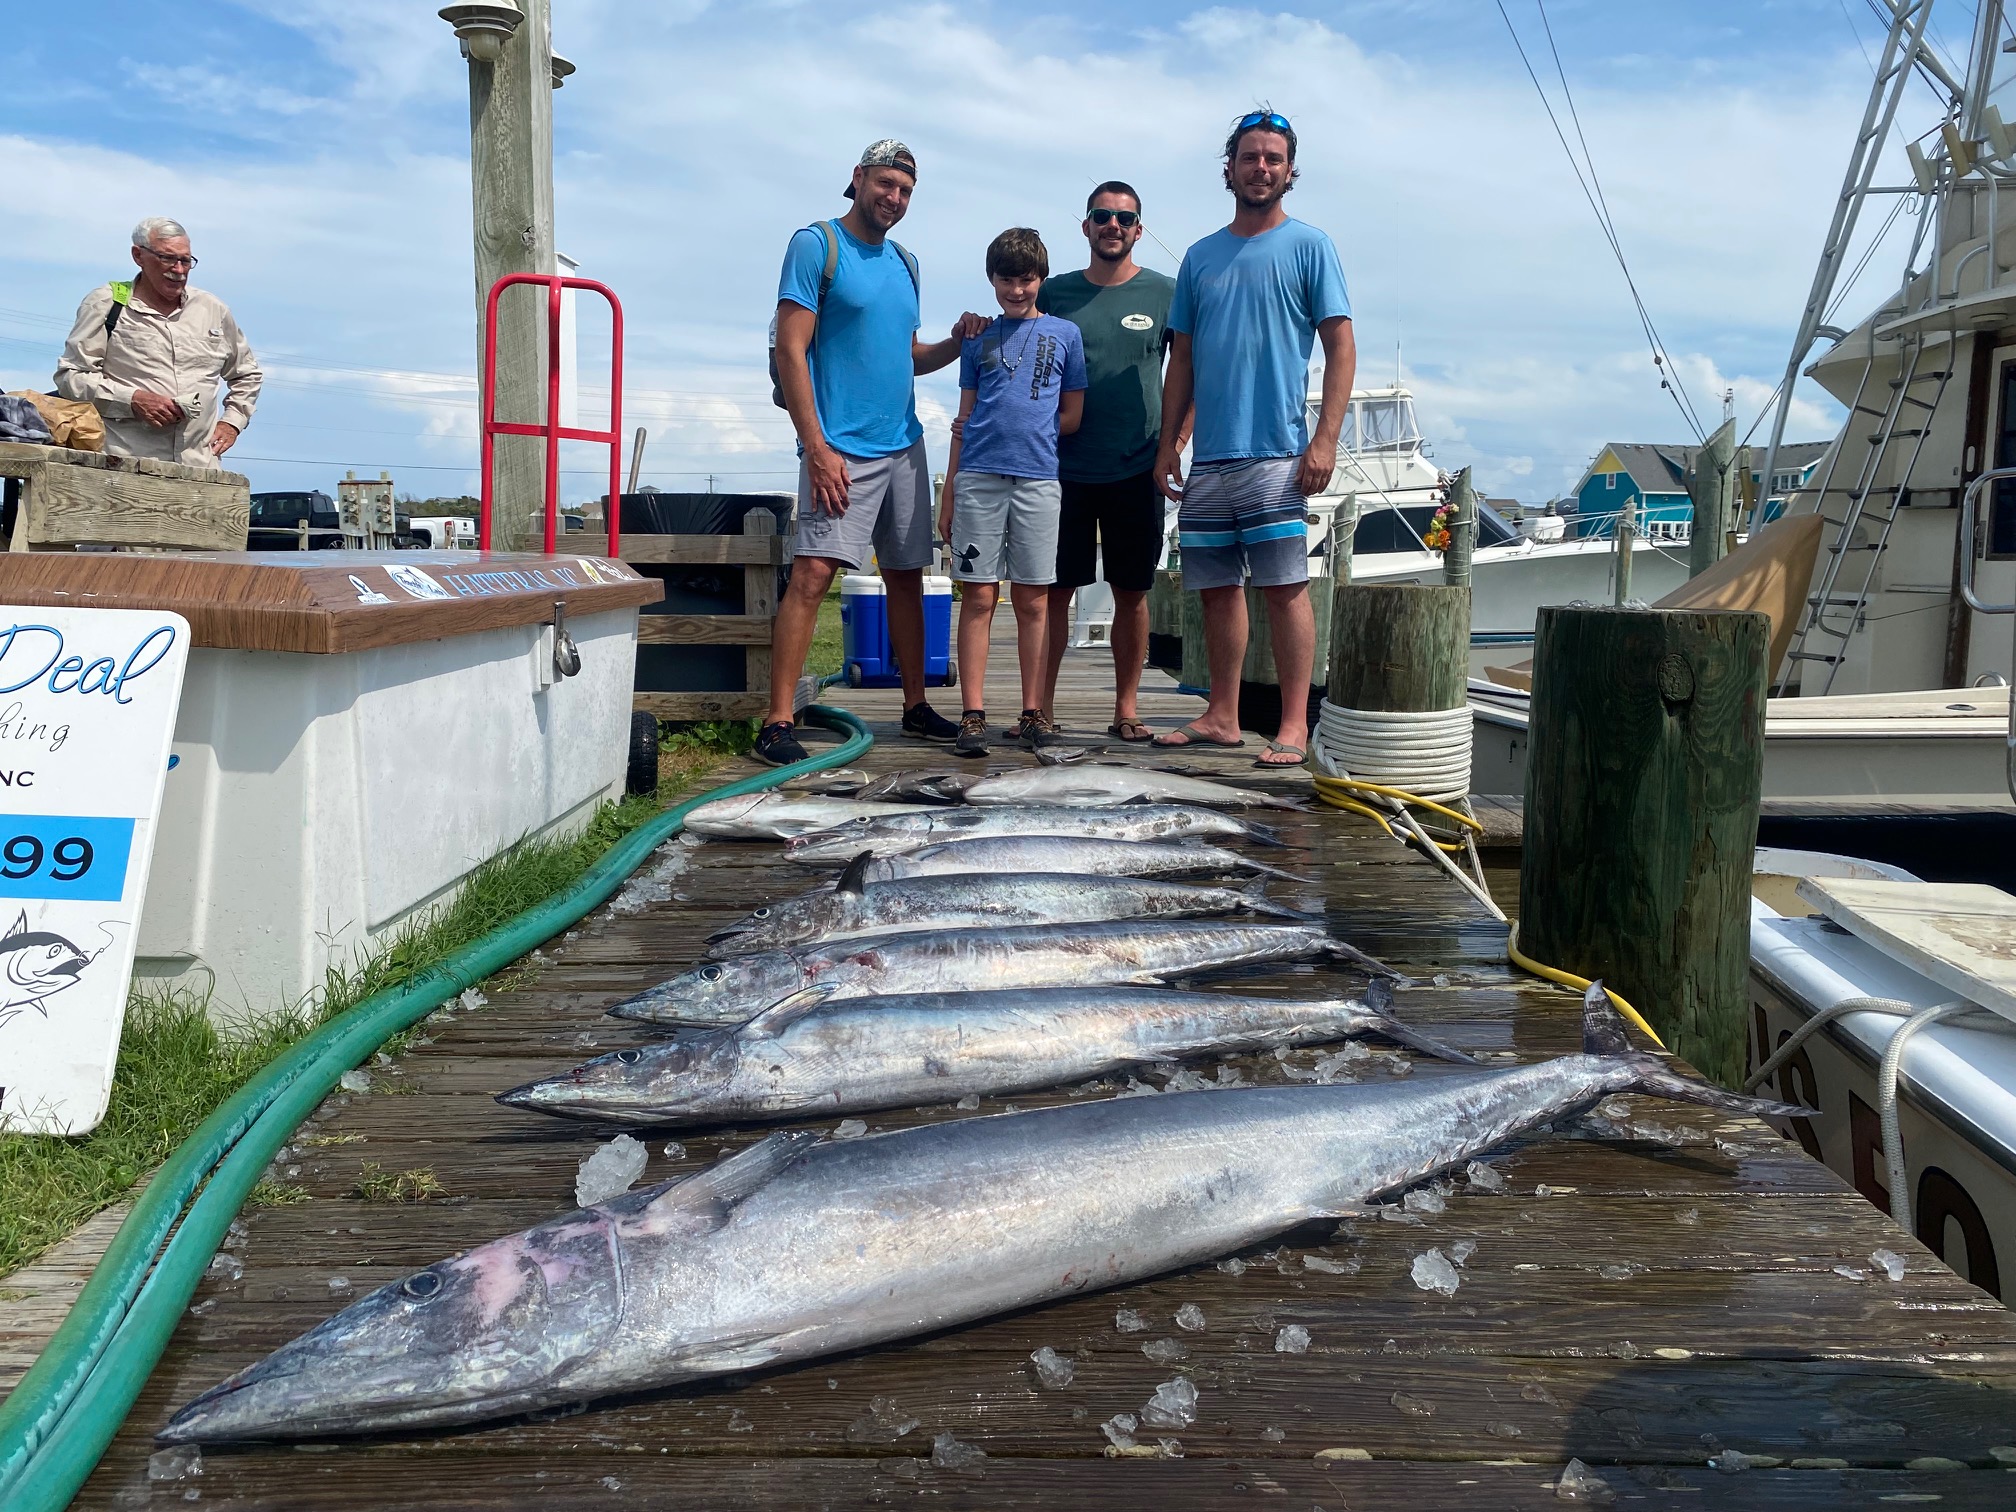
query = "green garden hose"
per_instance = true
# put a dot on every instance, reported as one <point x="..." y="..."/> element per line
<point x="58" y="1421"/>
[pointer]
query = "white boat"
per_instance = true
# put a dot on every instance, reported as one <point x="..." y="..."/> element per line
<point x="1862" y="949"/>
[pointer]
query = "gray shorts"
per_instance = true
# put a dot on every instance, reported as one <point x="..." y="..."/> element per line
<point x="888" y="514"/>
<point x="1005" y="529"/>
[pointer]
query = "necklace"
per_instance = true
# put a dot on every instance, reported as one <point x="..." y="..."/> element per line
<point x="1001" y="346"/>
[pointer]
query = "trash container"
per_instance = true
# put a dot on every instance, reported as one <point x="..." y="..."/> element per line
<point x="864" y="633"/>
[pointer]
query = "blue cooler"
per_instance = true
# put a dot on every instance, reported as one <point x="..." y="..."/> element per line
<point x="864" y="632"/>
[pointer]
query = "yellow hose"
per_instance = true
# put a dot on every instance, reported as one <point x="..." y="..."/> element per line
<point x="1569" y="979"/>
<point x="1352" y="784"/>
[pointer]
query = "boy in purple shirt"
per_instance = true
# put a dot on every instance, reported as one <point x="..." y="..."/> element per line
<point x="1021" y="385"/>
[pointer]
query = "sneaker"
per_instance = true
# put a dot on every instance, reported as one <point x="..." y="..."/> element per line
<point x="1034" y="730"/>
<point x="776" y="744"/>
<point x="972" y="734"/>
<point x="922" y="722"/>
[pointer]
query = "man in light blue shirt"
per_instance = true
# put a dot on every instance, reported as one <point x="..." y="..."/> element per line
<point x="1251" y="302"/>
<point x="846" y="356"/>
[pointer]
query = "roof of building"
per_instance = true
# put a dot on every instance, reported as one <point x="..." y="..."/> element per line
<point x="1662" y="469"/>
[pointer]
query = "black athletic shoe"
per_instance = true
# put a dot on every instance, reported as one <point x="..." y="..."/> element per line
<point x="778" y="745"/>
<point x="922" y="722"/>
<point x="972" y="734"/>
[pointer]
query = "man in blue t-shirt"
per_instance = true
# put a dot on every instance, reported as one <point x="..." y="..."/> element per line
<point x="847" y="355"/>
<point x="1251" y="301"/>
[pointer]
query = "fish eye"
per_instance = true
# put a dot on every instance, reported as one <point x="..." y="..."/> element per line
<point x="710" y="973"/>
<point x="422" y="1286"/>
<point x="629" y="1057"/>
<point x="761" y="913"/>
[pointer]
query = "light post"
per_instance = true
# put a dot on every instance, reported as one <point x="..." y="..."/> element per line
<point x="512" y="76"/>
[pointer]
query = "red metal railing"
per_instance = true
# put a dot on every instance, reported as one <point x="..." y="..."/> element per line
<point x="552" y="430"/>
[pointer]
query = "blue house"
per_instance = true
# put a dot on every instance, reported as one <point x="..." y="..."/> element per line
<point x="1653" y="480"/>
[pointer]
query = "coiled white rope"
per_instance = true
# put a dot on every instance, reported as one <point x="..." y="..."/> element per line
<point x="1427" y="753"/>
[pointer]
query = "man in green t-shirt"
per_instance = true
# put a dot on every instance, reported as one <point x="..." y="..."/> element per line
<point x="1111" y="505"/>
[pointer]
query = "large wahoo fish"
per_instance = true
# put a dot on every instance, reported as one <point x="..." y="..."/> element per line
<point x="1102" y="785"/>
<point x="919" y="827"/>
<point x="854" y="907"/>
<point x="978" y="960"/>
<point x="796" y="1248"/>
<point x="847" y="1056"/>
<point x="1003" y="854"/>
<point x="778" y="816"/>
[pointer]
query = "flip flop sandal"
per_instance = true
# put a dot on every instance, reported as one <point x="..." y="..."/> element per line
<point x="1192" y="736"/>
<point x="1275" y="747"/>
<point x="1120" y="728"/>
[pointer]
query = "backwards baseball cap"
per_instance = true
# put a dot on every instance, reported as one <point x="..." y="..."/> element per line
<point x="887" y="153"/>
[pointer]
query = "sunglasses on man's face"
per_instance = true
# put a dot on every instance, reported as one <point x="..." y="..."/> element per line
<point x="1100" y="217"/>
<point x="1272" y="120"/>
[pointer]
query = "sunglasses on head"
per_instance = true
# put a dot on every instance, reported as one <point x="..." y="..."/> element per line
<point x="1272" y="120"/>
<point x="1102" y="215"/>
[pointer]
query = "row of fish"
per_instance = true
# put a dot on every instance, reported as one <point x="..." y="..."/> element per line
<point x="990" y="945"/>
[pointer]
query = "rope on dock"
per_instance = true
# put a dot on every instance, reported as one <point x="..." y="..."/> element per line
<point x="58" y="1421"/>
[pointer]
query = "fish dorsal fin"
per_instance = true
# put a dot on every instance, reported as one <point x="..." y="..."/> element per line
<point x="1602" y="1029"/>
<point x="783" y="1013"/>
<point x="706" y="1200"/>
<point x="854" y="879"/>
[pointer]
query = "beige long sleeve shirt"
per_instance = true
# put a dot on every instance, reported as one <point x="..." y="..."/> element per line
<point x="193" y="354"/>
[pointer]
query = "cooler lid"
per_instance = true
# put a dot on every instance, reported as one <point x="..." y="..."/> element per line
<point x="328" y="601"/>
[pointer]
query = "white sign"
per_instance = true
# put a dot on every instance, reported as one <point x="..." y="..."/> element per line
<point x="87" y="711"/>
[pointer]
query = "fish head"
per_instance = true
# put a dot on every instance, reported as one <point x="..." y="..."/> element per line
<point x="496" y="1329"/>
<point x="718" y="992"/>
<point x="642" y="1084"/>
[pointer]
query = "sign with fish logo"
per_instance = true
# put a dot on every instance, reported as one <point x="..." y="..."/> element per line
<point x="88" y="699"/>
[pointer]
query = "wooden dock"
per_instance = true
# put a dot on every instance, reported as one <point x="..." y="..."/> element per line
<point x="1644" y="1301"/>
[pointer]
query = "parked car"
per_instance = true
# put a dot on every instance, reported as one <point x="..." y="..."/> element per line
<point x="275" y="523"/>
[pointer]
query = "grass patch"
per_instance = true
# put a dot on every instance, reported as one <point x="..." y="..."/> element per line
<point x="826" y="652"/>
<point x="271" y="1193"/>
<point x="376" y="1184"/>
<point x="175" y="1066"/>
<point x="324" y="1141"/>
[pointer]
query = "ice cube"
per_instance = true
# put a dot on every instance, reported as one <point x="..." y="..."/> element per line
<point x="1166" y="1351"/>
<point x="1729" y="1461"/>
<point x="1392" y="1212"/>
<point x="1292" y="1339"/>
<point x="947" y="1453"/>
<point x="1119" y="1429"/>
<point x="969" y="1102"/>
<point x="1174" y="1405"/>
<point x="1330" y="1267"/>
<point x="1413" y="1406"/>
<point x="609" y="1169"/>
<point x="355" y="1081"/>
<point x="1229" y="1076"/>
<point x="225" y="1266"/>
<point x="1191" y="1317"/>
<point x="1617" y="1272"/>
<point x="1421" y="1200"/>
<point x="1462" y="1250"/>
<point x="1483" y="1178"/>
<point x="610" y="1483"/>
<point x="737" y="1423"/>
<point x="1440" y="979"/>
<point x="1233" y="1267"/>
<point x="1851" y="1273"/>
<point x="883" y="1423"/>
<point x="1578" y="1483"/>
<point x="675" y="1150"/>
<point x="179" y="1463"/>
<point x="1185" y="1080"/>
<point x="1052" y="1369"/>
<point x="1129" y="1321"/>
<point x="1433" y="1272"/>
<point x="339" y="1284"/>
<point x="849" y="1128"/>
<point x="1889" y="1262"/>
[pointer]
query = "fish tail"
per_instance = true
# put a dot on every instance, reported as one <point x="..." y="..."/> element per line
<point x="1263" y="869"/>
<point x="1255" y="894"/>
<point x="1343" y="952"/>
<point x="1264" y="834"/>
<point x="1603" y="1034"/>
<point x="1379" y="999"/>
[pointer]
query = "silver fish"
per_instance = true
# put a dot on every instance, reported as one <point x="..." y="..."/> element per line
<point x="796" y="1248"/>
<point x="854" y="1054"/>
<point x="776" y="816"/>
<point x="918" y="786"/>
<point x="976" y="960"/>
<point x="1103" y="785"/>
<point x="856" y="907"/>
<point x="919" y="827"/>
<point x="1004" y="854"/>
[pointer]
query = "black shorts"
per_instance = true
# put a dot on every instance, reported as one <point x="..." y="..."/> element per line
<point x="1122" y="519"/>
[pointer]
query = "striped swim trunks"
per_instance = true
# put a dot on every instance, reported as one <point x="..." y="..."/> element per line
<point x="1243" y="519"/>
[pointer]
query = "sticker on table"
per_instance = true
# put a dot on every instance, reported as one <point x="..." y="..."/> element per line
<point x="366" y="594"/>
<point x="417" y="583"/>
<point x="88" y="699"/>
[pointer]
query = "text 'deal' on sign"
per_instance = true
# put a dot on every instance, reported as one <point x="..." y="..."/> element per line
<point x="87" y="711"/>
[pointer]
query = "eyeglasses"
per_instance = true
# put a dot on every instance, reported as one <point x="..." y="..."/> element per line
<point x="1099" y="217"/>
<point x="1272" y="120"/>
<point x="172" y="259"/>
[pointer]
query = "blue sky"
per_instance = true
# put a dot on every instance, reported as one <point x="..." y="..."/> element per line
<point x="317" y="149"/>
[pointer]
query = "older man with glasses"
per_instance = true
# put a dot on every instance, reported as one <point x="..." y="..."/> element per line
<point x="162" y="360"/>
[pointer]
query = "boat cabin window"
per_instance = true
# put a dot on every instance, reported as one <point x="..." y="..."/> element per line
<point x="1385" y="423"/>
<point x="1383" y="528"/>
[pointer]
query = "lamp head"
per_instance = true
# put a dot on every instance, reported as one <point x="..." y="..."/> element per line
<point x="483" y="26"/>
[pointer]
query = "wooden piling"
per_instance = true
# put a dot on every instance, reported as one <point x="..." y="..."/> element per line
<point x="1399" y="646"/>
<point x="1642" y="787"/>
<point x="1711" y="484"/>
<point x="1462" y="532"/>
